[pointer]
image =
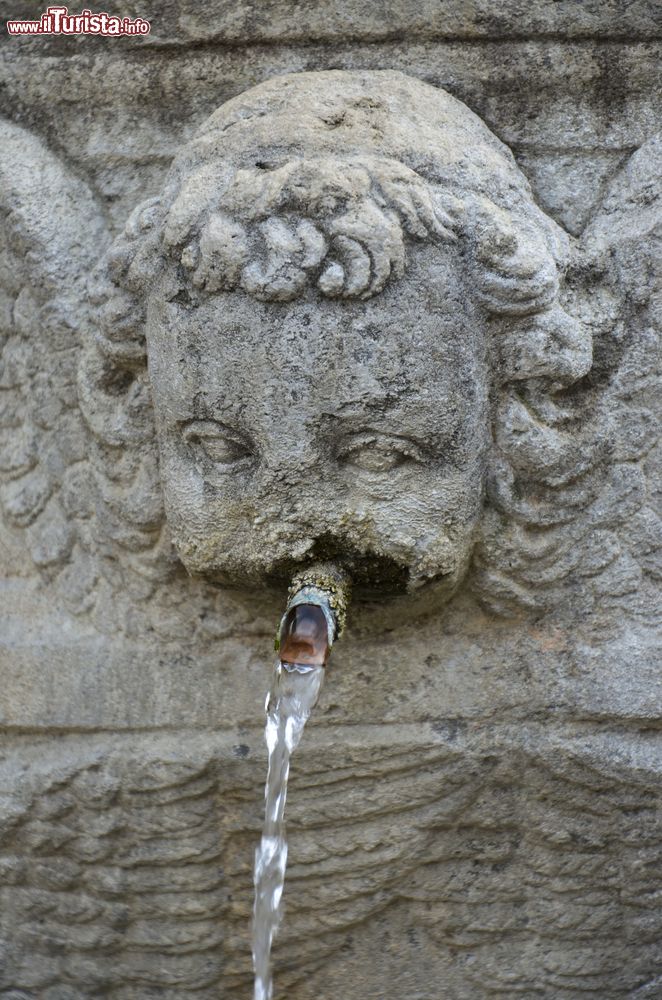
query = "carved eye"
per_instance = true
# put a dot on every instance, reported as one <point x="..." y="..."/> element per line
<point x="379" y="453"/>
<point x="217" y="444"/>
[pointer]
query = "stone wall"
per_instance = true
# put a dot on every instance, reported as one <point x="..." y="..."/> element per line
<point x="475" y="807"/>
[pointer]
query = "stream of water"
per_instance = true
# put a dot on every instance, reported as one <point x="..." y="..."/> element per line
<point x="293" y="695"/>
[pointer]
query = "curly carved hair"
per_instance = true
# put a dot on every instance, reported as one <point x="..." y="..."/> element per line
<point x="342" y="227"/>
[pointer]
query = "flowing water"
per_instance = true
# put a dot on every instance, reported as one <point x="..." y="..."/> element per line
<point x="295" y="691"/>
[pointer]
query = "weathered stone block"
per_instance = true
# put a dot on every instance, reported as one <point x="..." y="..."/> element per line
<point x="339" y="323"/>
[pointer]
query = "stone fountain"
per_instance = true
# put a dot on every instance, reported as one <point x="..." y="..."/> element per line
<point x="342" y="327"/>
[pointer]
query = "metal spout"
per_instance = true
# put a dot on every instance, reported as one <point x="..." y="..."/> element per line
<point x="314" y="617"/>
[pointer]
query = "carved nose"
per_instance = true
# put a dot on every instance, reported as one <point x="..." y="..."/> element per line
<point x="295" y="465"/>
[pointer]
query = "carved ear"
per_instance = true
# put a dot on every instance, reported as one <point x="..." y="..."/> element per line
<point x="53" y="229"/>
<point x="114" y="398"/>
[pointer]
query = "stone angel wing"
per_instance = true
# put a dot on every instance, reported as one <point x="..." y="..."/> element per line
<point x="573" y="496"/>
<point x="51" y="232"/>
<point x="79" y="500"/>
<point x="622" y="246"/>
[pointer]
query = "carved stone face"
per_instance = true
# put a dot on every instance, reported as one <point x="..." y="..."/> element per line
<point x="323" y="429"/>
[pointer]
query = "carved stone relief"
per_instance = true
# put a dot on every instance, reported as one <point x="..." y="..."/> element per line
<point x="343" y="328"/>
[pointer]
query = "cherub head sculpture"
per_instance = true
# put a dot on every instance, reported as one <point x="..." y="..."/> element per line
<point x="340" y="323"/>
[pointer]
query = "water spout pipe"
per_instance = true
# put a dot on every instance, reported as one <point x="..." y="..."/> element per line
<point x="314" y="617"/>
